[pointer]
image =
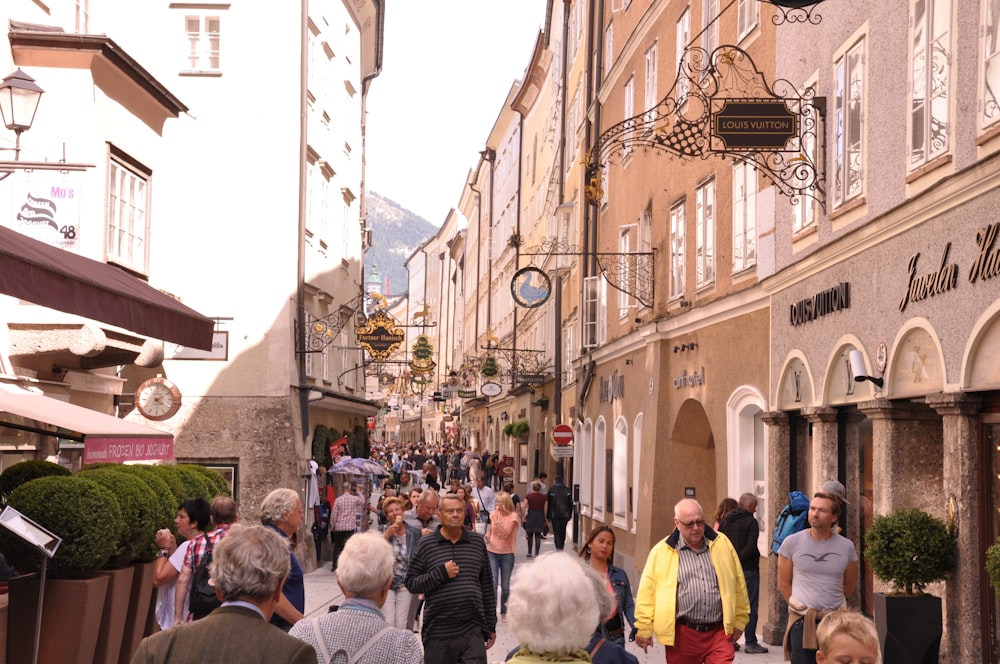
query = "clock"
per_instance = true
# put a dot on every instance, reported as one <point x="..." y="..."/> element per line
<point x="157" y="399"/>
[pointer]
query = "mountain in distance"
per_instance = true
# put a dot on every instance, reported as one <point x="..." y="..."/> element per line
<point x="396" y="233"/>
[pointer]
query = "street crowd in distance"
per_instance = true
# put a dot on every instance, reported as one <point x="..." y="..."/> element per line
<point x="424" y="553"/>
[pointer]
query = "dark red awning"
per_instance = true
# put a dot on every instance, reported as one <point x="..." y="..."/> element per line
<point x="52" y="277"/>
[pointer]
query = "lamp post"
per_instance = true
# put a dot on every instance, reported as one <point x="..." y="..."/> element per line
<point x="19" y="97"/>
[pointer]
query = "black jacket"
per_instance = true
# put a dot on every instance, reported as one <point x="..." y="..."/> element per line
<point x="742" y="530"/>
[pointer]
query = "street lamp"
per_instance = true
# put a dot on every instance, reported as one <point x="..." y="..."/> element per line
<point x="19" y="96"/>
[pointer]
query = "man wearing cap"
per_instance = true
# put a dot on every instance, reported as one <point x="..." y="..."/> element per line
<point x="817" y="570"/>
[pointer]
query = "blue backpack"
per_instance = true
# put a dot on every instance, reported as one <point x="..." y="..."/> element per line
<point x="792" y="518"/>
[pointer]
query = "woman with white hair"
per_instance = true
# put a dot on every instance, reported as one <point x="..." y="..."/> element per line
<point x="357" y="628"/>
<point x="552" y="610"/>
<point x="282" y="512"/>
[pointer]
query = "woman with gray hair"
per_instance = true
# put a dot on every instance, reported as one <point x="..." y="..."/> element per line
<point x="358" y="628"/>
<point x="281" y="511"/>
<point x="552" y="610"/>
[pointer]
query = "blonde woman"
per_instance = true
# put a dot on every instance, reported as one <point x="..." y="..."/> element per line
<point x="500" y="544"/>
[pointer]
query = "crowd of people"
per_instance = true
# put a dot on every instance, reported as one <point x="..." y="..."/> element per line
<point x="440" y="562"/>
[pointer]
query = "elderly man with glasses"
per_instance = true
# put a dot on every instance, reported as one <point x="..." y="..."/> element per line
<point x="692" y="594"/>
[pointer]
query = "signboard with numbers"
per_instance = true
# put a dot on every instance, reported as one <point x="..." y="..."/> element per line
<point x="47" y="209"/>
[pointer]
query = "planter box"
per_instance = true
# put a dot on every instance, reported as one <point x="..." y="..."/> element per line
<point x="109" y="640"/>
<point x="909" y="628"/>
<point x="71" y="619"/>
<point x="140" y="601"/>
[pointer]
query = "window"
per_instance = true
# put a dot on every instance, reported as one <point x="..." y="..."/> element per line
<point x="629" y="112"/>
<point x="591" y="315"/>
<point x="677" y="250"/>
<point x="627" y="287"/>
<point x="991" y="63"/>
<point x="619" y="475"/>
<point x="600" y="467"/>
<point x="705" y="232"/>
<point x="128" y="198"/>
<point x="747" y="16"/>
<point x="931" y="63"/>
<point x="744" y="216"/>
<point x="203" y="42"/>
<point x="848" y="118"/>
<point x="644" y="242"/>
<point x="650" y="99"/>
<point x="569" y="351"/>
<point x="82" y="16"/>
<point x="804" y="209"/>
<point x="709" y="24"/>
<point x="683" y="34"/>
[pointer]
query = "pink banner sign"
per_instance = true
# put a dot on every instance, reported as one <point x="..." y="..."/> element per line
<point x="120" y="450"/>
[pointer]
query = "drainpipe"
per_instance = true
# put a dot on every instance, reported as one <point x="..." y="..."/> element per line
<point x="300" y="276"/>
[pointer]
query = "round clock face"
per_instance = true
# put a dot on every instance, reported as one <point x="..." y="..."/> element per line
<point x="157" y="399"/>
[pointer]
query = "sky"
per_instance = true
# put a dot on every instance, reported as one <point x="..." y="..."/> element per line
<point x="447" y="66"/>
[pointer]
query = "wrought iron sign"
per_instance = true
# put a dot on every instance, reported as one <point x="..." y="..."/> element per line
<point x="320" y="332"/>
<point x="719" y="105"/>
<point x="795" y="11"/>
<point x="630" y="273"/>
<point x="530" y="287"/>
<point x="379" y="335"/>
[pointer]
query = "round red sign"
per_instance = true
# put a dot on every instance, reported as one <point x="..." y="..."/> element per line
<point x="562" y="434"/>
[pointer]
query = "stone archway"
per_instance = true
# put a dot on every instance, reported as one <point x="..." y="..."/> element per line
<point x="691" y="460"/>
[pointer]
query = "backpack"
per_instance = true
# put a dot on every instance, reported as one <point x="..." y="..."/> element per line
<point x="203" y="599"/>
<point x="792" y="518"/>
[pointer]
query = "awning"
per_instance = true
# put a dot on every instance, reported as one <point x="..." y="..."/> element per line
<point x="52" y="277"/>
<point x="105" y="438"/>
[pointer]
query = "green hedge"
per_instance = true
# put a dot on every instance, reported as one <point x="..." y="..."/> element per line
<point x="83" y="513"/>
<point x="25" y="471"/>
<point x="910" y="549"/>
<point x="141" y="513"/>
<point x="216" y="483"/>
<point x="166" y="504"/>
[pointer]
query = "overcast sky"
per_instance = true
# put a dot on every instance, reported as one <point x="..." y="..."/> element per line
<point x="446" y="70"/>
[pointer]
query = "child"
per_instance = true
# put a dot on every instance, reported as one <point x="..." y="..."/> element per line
<point x="846" y="637"/>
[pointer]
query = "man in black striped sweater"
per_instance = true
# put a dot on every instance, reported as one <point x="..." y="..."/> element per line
<point x="452" y="570"/>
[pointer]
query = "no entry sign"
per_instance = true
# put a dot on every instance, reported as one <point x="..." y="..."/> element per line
<point x="562" y="434"/>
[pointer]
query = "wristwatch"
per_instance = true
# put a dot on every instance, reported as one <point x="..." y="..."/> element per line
<point x="163" y="553"/>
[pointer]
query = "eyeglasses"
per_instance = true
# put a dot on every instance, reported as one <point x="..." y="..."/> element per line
<point x="692" y="524"/>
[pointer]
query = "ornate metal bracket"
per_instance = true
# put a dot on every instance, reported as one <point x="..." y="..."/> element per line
<point x="795" y="11"/>
<point x="631" y="273"/>
<point x="680" y="124"/>
<point x="320" y="331"/>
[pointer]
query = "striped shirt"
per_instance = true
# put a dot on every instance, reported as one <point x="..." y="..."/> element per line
<point x="698" y="596"/>
<point x="451" y="606"/>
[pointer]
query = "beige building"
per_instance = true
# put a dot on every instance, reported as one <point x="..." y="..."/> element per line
<point x="250" y="203"/>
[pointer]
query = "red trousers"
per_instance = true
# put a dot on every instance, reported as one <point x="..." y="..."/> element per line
<point x="694" y="647"/>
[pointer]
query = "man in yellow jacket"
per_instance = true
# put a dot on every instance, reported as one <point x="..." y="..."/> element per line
<point x="692" y="594"/>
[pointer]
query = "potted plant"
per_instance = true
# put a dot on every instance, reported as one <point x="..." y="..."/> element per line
<point x="88" y="518"/>
<point x="520" y="429"/>
<point x="508" y="429"/>
<point x="19" y="473"/>
<point x="909" y="549"/>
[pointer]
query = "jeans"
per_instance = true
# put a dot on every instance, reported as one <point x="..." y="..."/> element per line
<point x="752" y="577"/>
<point x="534" y="539"/>
<point x="502" y="565"/>
<point x="799" y="656"/>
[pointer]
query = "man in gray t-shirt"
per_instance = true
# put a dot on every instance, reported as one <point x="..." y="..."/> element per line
<point x="817" y="569"/>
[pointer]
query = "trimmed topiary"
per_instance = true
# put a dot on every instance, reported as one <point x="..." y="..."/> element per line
<point x="82" y="512"/>
<point x="172" y="480"/>
<point x="25" y="471"/>
<point x="216" y="483"/>
<point x="166" y="505"/>
<point x="909" y="549"/>
<point x="993" y="564"/>
<point x="140" y="512"/>
<point x="194" y="482"/>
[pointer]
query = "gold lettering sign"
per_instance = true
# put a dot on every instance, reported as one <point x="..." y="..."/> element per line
<point x="379" y="336"/>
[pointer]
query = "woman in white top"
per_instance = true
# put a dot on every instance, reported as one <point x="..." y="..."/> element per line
<point x="193" y="519"/>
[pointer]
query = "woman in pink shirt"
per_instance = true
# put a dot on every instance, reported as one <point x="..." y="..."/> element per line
<point x="501" y="542"/>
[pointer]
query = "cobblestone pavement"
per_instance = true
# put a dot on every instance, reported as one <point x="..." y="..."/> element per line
<point x="322" y="591"/>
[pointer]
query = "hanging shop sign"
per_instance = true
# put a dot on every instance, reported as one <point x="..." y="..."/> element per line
<point x="752" y="124"/>
<point x="422" y="362"/>
<point x="531" y="379"/>
<point x="491" y="389"/>
<point x="379" y="336"/>
<point x="466" y="394"/>
<point x="530" y="287"/>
